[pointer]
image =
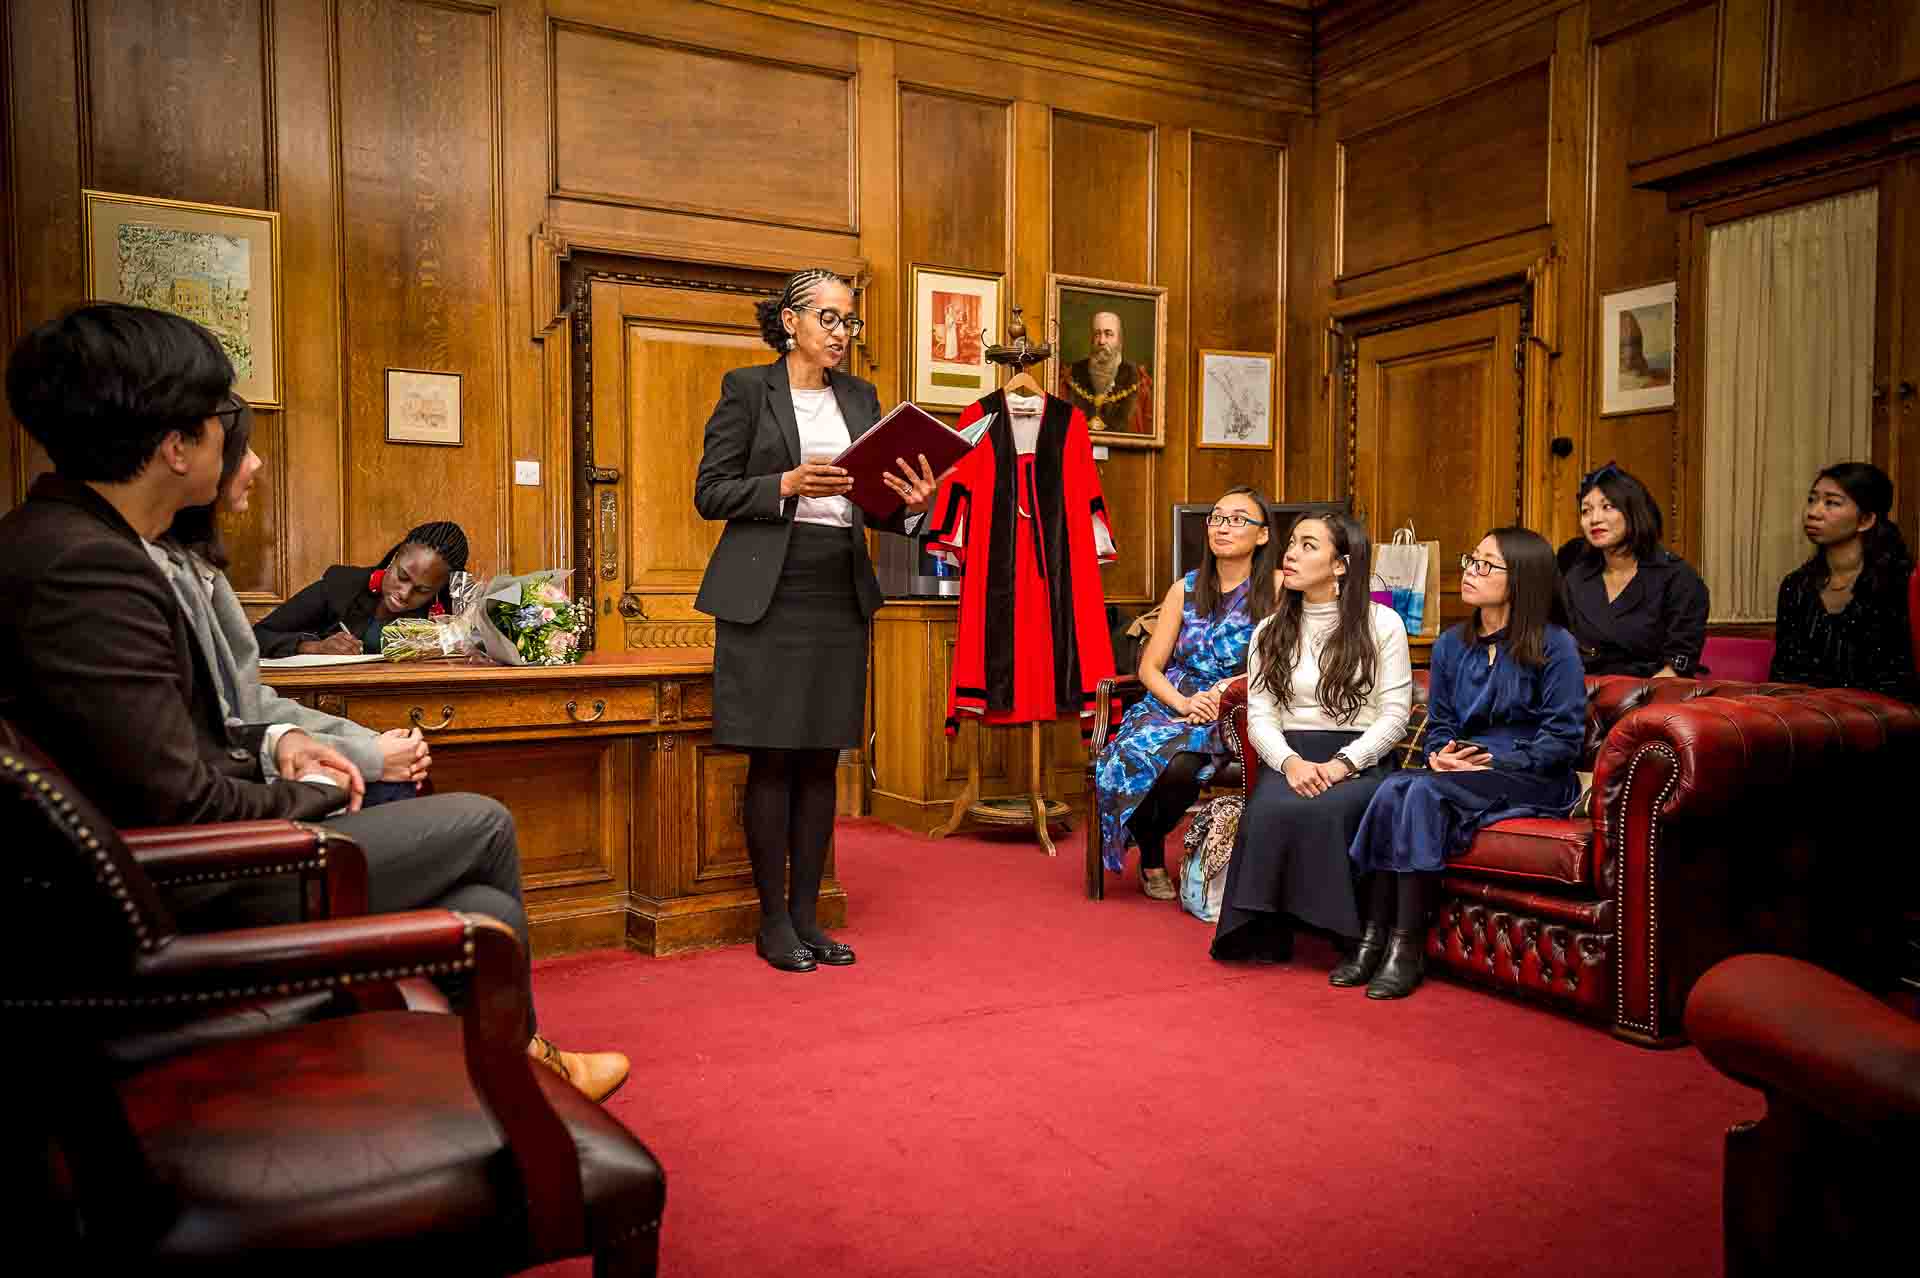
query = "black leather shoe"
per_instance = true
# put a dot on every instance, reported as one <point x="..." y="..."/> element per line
<point x="1404" y="966"/>
<point x="797" y="959"/>
<point x="1365" y="961"/>
<point x="829" y="951"/>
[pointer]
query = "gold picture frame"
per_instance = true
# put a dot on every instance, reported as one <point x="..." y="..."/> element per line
<point x="423" y="407"/>
<point x="955" y="317"/>
<point x="1233" y="394"/>
<point x="212" y="263"/>
<point x="1135" y="398"/>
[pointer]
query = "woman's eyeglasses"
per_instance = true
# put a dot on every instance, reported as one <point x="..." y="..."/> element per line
<point x="1235" y="521"/>
<point x="831" y="320"/>
<point x="230" y="415"/>
<point x="1479" y="567"/>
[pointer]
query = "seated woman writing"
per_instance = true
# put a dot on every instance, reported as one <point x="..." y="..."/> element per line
<point x="1842" y="617"/>
<point x="1169" y="743"/>
<point x="343" y="612"/>
<point x="393" y="763"/>
<point x="1633" y="606"/>
<point x="1329" y="690"/>
<point x="1506" y="717"/>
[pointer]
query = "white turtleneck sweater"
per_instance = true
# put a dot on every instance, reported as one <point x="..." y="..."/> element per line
<point x="1382" y="720"/>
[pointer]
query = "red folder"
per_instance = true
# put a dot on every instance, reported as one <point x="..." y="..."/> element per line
<point x="906" y="432"/>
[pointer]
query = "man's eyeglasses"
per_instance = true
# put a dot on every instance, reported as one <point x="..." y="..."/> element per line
<point x="831" y="320"/>
<point x="1235" y="521"/>
<point x="1479" y="567"/>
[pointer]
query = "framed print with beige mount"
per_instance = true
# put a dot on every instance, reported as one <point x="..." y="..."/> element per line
<point x="954" y="315"/>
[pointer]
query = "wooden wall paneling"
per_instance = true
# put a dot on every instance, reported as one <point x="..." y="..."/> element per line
<point x="11" y="455"/>
<point x="879" y="161"/>
<point x="1316" y="467"/>
<point x="538" y="516"/>
<point x="1904" y="443"/>
<point x="1236" y="287"/>
<point x="49" y="168"/>
<point x="1654" y="92"/>
<point x="1459" y="173"/>
<point x="1031" y="230"/>
<point x="423" y="265"/>
<point x="658" y="125"/>
<point x="1747" y="34"/>
<point x="1830" y="51"/>
<point x="306" y="165"/>
<point x="178" y="99"/>
<point x="1171" y="464"/>
<point x="1103" y="198"/>
<point x="1557" y="350"/>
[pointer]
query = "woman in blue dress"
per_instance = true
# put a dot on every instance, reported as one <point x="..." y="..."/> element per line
<point x="1506" y="717"/>
<point x="1169" y="743"/>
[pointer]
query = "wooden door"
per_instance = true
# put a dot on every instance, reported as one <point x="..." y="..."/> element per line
<point x="1437" y="433"/>
<point x="659" y="353"/>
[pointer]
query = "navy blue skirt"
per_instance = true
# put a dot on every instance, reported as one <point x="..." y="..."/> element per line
<point x="1420" y="819"/>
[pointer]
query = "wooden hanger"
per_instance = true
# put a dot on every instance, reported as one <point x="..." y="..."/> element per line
<point x="1022" y="383"/>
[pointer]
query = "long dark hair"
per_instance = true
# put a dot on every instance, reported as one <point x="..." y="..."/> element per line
<point x="1266" y="558"/>
<point x="1626" y="494"/>
<point x="1885" y="560"/>
<point x="197" y="528"/>
<point x="1533" y="595"/>
<point x="1347" y="663"/>
<point x="445" y="539"/>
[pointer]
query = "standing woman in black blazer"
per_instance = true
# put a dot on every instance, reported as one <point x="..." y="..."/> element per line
<point x="791" y="588"/>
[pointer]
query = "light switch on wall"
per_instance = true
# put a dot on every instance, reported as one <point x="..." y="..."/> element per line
<point x="526" y="473"/>
<point x="1099" y="452"/>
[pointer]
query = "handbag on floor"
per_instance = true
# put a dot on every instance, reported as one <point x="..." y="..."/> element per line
<point x="1209" y="844"/>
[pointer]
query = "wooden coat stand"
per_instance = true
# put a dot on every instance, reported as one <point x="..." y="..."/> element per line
<point x="1033" y="808"/>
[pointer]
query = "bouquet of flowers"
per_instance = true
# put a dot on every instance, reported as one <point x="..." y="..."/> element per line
<point x="440" y="635"/>
<point x="530" y="620"/>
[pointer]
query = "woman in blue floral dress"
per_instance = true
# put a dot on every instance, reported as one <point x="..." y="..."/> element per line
<point x="1169" y="743"/>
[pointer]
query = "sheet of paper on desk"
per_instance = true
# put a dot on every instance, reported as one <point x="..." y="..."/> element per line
<point x="319" y="659"/>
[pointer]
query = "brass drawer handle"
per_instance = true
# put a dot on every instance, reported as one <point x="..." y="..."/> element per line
<point x="573" y="711"/>
<point x="417" y="714"/>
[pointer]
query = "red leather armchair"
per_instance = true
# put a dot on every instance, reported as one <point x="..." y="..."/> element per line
<point x="1719" y="820"/>
<point x="1822" y="1181"/>
<point x="386" y="1138"/>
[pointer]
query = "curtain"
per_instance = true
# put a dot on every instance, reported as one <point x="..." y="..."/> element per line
<point x="1789" y="371"/>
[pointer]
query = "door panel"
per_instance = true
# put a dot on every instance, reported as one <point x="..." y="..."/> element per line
<point x="1437" y="434"/>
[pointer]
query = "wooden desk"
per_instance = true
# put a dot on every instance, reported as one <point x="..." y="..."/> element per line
<point x="629" y="818"/>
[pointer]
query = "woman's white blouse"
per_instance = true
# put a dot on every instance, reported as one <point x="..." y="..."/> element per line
<point x="1382" y="719"/>
<point x="823" y="432"/>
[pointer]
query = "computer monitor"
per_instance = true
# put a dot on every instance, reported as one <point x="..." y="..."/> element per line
<point x="1190" y="526"/>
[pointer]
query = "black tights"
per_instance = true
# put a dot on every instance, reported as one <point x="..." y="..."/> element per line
<point x="1172" y="794"/>
<point x="789" y="813"/>
<point x="1397" y="900"/>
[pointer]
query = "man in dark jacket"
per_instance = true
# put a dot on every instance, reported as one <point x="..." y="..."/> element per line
<point x="98" y="665"/>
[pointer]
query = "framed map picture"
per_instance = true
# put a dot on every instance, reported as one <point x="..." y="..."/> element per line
<point x="1636" y="350"/>
<point x="423" y="407"/>
<point x="1236" y="399"/>
<point x="217" y="266"/>
<point x="954" y="314"/>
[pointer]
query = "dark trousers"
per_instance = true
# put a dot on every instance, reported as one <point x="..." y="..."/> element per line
<point x="1173" y="792"/>
<point x="444" y="851"/>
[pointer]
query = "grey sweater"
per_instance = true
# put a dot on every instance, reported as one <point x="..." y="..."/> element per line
<point x="225" y="636"/>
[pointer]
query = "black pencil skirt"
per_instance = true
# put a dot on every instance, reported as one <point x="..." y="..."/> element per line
<point x="797" y="678"/>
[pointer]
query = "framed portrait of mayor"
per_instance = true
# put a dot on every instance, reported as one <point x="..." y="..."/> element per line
<point x="218" y="266"/>
<point x="954" y="313"/>
<point x="1110" y="356"/>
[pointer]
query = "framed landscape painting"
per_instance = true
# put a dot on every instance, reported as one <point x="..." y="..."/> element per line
<point x="1636" y="350"/>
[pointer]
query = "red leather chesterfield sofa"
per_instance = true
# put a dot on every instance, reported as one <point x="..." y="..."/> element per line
<point x="1712" y="802"/>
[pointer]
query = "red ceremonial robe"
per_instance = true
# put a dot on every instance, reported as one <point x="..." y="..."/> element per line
<point x="1033" y="641"/>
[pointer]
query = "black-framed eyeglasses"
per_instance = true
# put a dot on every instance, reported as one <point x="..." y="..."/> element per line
<point x="230" y="415"/>
<point x="832" y="319"/>
<point x="1235" y="521"/>
<point x="1479" y="567"/>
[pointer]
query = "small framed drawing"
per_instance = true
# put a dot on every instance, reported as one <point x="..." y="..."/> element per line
<point x="1236" y="399"/>
<point x="423" y="407"/>
<point x="1110" y="347"/>
<point x="1637" y="349"/>
<point x="217" y="266"/>
<point x="954" y="313"/>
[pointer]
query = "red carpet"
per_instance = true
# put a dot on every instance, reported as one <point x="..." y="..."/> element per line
<point x="1016" y="1080"/>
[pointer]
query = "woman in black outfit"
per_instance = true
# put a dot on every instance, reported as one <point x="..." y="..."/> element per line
<point x="791" y="589"/>
<point x="1842" y="620"/>
<point x="344" y="611"/>
<point x="1633" y="606"/>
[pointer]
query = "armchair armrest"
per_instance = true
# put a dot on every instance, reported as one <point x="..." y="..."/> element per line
<point x="1125" y="689"/>
<point x="1788" y="1027"/>
<point x="332" y="868"/>
<point x="1233" y="713"/>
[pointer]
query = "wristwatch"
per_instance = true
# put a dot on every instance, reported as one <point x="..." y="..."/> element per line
<point x="1353" y="769"/>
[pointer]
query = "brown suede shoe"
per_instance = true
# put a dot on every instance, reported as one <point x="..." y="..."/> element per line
<point x="1158" y="884"/>
<point x="596" y="1075"/>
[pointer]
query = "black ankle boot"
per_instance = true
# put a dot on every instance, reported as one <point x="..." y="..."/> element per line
<point x="1405" y="964"/>
<point x="1359" y="969"/>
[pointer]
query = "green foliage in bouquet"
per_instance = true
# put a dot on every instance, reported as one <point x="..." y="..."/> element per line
<point x="546" y="625"/>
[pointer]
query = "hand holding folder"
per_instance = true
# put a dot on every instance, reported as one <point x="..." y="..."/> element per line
<point x="905" y="435"/>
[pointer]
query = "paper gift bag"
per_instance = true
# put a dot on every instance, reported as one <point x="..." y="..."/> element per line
<point x="1410" y="569"/>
